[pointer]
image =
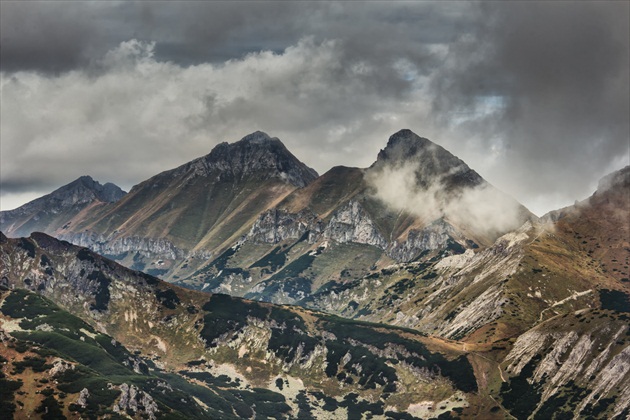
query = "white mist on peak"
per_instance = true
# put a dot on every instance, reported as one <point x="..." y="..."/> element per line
<point x="482" y="207"/>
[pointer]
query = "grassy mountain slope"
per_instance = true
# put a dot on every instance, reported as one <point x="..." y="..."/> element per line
<point x="57" y="365"/>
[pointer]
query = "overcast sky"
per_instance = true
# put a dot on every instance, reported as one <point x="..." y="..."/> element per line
<point x="534" y="96"/>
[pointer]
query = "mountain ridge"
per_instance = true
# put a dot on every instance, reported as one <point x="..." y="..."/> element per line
<point x="346" y="208"/>
<point x="256" y="152"/>
<point x="58" y="207"/>
<point x="253" y="194"/>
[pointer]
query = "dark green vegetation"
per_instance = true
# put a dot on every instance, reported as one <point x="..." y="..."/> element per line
<point x="459" y="371"/>
<point x="227" y="315"/>
<point x="297" y="267"/>
<point x="103" y="366"/>
<point x="561" y="405"/>
<point x="167" y="297"/>
<point x="102" y="290"/>
<point x="7" y="388"/>
<point x="518" y="395"/>
<point x="614" y="300"/>
<point x="291" y="280"/>
<point x="218" y="271"/>
<point x="272" y="261"/>
<point x="27" y="246"/>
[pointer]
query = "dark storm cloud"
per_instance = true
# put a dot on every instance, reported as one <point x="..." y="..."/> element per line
<point x="557" y="73"/>
<point x="63" y="35"/>
<point x="49" y="36"/>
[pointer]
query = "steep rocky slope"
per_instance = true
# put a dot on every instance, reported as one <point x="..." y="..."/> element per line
<point x="526" y="276"/>
<point x="233" y="357"/>
<point x="53" y="211"/>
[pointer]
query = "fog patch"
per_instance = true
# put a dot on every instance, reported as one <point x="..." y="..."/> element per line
<point x="482" y="209"/>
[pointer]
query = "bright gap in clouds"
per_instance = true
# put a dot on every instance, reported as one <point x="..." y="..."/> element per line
<point x="12" y="201"/>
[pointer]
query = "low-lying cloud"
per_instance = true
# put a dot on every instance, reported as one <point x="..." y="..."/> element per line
<point x="482" y="209"/>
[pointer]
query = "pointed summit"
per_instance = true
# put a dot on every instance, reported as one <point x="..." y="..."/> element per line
<point x="405" y="141"/>
<point x="85" y="186"/>
<point x="432" y="162"/>
<point x="255" y="155"/>
<point x="257" y="137"/>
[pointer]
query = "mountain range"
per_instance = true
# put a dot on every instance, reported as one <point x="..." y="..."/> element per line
<point x="419" y="291"/>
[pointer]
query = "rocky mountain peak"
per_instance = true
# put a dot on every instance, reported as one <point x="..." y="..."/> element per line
<point x="260" y="155"/>
<point x="405" y="140"/>
<point x="109" y="193"/>
<point x="81" y="191"/>
<point x="431" y="162"/>
<point x="257" y="137"/>
<point x="85" y="189"/>
<point x="63" y="203"/>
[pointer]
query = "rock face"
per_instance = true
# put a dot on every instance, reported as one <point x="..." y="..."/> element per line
<point x="434" y="236"/>
<point x="277" y="225"/>
<point x="52" y="211"/>
<point x="136" y="401"/>
<point x="83" y="397"/>
<point x="351" y="223"/>
<point x="255" y="154"/>
<point x="154" y="248"/>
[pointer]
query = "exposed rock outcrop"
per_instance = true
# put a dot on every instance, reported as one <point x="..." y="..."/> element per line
<point x="351" y="223"/>
<point x="137" y="401"/>
<point x="151" y="247"/>
<point x="277" y="225"/>
<point x="564" y="358"/>
<point x="434" y="236"/>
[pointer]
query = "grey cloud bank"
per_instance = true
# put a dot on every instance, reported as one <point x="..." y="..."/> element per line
<point x="534" y="96"/>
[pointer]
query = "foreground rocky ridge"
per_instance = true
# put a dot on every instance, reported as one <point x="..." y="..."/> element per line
<point x="172" y="335"/>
